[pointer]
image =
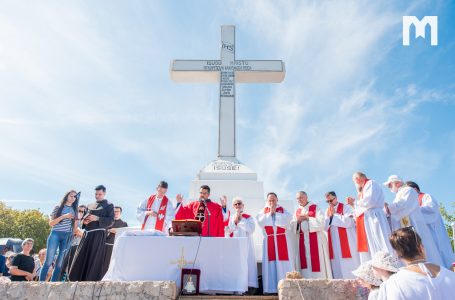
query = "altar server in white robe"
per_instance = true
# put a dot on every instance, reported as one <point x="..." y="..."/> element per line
<point x="157" y="211"/>
<point x="340" y="226"/>
<point x="276" y="255"/>
<point x="372" y="227"/>
<point x="430" y="211"/>
<point x="419" y="279"/>
<point x="405" y="212"/>
<point x="242" y="225"/>
<point x="309" y="224"/>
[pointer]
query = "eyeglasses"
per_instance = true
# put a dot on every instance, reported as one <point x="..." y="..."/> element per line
<point x="81" y="211"/>
<point x="238" y="203"/>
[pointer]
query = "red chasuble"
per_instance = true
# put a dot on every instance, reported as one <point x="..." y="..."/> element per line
<point x="159" y="224"/>
<point x="314" y="247"/>
<point x="190" y="210"/>
<point x="342" y="233"/>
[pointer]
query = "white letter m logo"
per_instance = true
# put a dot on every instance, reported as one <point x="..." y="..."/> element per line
<point x="420" y="28"/>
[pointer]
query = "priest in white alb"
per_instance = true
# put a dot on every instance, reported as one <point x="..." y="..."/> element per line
<point x="405" y="212"/>
<point x="157" y="211"/>
<point x="340" y="226"/>
<point x="372" y="227"/>
<point x="308" y="223"/>
<point x="430" y="211"/>
<point x="276" y="255"/>
<point x="242" y="225"/>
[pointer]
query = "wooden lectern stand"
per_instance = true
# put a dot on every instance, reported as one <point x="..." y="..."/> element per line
<point x="187" y="227"/>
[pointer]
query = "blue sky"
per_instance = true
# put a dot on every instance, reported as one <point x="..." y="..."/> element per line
<point x="86" y="97"/>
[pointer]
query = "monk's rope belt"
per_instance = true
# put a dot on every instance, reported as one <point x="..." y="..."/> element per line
<point x="97" y="229"/>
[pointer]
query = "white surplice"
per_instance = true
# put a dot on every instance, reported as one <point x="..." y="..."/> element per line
<point x="409" y="285"/>
<point x="433" y="219"/>
<point x="371" y="204"/>
<point x="274" y="271"/>
<point x="245" y="228"/>
<point x="342" y="267"/>
<point x="151" y="221"/>
<point x="405" y="211"/>
<point x="315" y="224"/>
<point x="373" y="295"/>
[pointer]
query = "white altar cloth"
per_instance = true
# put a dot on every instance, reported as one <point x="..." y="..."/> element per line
<point x="222" y="261"/>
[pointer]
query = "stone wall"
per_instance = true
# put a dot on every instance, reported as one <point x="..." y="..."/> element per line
<point x="317" y="289"/>
<point x="288" y="289"/>
<point x="104" y="290"/>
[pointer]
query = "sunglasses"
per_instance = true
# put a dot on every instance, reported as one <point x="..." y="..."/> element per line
<point x="238" y="203"/>
<point x="330" y="200"/>
<point x="81" y="211"/>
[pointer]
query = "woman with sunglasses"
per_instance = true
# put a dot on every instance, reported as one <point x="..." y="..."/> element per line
<point x="61" y="221"/>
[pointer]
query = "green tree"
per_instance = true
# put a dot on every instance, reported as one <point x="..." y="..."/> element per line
<point x="30" y="223"/>
<point x="448" y="218"/>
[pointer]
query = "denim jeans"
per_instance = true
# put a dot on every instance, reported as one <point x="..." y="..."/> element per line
<point x="57" y="239"/>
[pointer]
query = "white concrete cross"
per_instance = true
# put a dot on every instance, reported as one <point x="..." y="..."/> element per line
<point x="227" y="72"/>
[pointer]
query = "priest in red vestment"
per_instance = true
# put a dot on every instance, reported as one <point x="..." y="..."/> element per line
<point x="205" y="210"/>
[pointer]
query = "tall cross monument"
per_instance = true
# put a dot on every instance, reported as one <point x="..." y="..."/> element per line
<point x="226" y="175"/>
<point x="227" y="71"/>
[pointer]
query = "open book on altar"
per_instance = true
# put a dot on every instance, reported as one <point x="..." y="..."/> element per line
<point x="188" y="227"/>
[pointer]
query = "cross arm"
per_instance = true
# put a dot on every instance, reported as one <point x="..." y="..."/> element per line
<point x="195" y="70"/>
<point x="246" y="71"/>
<point x="261" y="71"/>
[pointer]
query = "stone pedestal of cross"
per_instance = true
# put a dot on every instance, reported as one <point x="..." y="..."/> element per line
<point x="227" y="71"/>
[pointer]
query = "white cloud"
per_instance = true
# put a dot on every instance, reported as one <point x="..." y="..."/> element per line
<point x="328" y="116"/>
<point x="63" y="73"/>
